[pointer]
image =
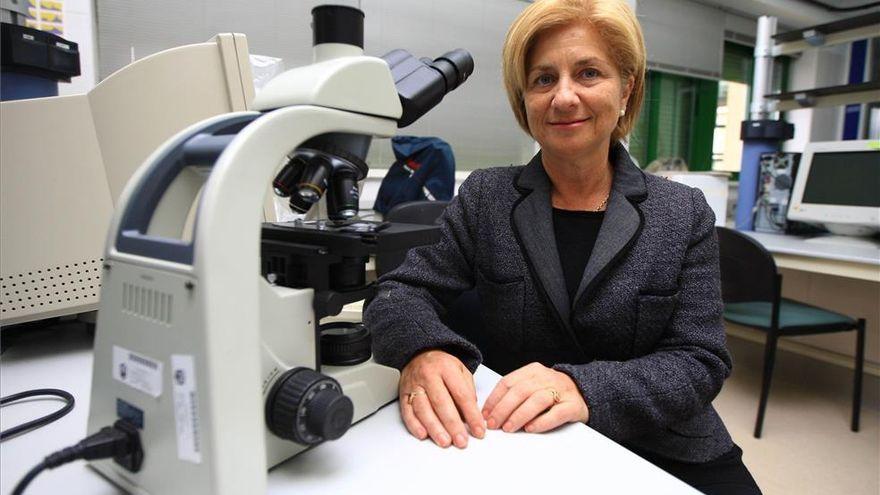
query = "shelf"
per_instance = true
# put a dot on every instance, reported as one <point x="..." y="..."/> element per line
<point x="845" y="94"/>
<point x="832" y="33"/>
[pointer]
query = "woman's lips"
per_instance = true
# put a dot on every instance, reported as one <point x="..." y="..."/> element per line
<point x="568" y="124"/>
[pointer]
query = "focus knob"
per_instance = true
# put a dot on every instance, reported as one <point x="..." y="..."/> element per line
<point x="308" y="407"/>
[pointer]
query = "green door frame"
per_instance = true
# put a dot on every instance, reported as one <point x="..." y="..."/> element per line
<point x="654" y="79"/>
<point x="703" y="125"/>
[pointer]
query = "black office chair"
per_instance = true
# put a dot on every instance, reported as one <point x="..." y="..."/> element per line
<point x="418" y="212"/>
<point x="752" y="292"/>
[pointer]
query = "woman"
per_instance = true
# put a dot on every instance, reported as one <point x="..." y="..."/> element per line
<point x="598" y="285"/>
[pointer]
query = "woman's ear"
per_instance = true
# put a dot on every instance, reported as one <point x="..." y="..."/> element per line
<point x="626" y="91"/>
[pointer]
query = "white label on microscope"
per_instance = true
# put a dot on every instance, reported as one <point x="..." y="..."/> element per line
<point x="186" y="407"/>
<point x="137" y="371"/>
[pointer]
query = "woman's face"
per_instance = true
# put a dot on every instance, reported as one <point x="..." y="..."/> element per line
<point x="574" y="93"/>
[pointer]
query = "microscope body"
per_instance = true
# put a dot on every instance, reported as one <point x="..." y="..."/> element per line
<point x="208" y="340"/>
<point x="190" y="336"/>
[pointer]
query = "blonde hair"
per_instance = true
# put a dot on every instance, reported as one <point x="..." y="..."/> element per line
<point x="616" y="24"/>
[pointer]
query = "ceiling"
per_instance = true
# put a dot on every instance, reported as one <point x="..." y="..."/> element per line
<point x="792" y="14"/>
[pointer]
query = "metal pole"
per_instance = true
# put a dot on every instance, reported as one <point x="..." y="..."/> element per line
<point x="763" y="76"/>
<point x="759" y="134"/>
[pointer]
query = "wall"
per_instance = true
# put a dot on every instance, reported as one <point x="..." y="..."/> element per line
<point x="475" y="119"/>
<point x="79" y="27"/>
<point x="671" y="25"/>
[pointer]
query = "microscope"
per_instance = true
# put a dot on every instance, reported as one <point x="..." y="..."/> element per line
<point x="208" y="347"/>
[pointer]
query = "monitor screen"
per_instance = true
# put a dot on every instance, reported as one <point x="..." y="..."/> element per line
<point x="844" y="178"/>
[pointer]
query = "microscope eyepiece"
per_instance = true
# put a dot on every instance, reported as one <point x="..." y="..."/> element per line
<point x="456" y="66"/>
<point x="337" y="24"/>
<point x="421" y="84"/>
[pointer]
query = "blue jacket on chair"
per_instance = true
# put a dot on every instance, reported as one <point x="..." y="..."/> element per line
<point x="424" y="169"/>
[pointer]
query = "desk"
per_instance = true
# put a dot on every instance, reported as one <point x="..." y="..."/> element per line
<point x="377" y="455"/>
<point x="797" y="253"/>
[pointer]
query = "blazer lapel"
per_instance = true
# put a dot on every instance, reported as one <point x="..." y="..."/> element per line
<point x="533" y="224"/>
<point x="622" y="223"/>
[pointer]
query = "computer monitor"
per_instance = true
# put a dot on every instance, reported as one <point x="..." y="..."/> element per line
<point x="838" y="185"/>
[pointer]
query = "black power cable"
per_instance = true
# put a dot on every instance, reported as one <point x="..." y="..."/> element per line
<point x="834" y="8"/>
<point x="39" y="422"/>
<point x="120" y="441"/>
<point x="19" y="488"/>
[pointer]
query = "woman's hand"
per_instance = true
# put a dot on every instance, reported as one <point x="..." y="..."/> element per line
<point x="537" y="397"/>
<point x="436" y="392"/>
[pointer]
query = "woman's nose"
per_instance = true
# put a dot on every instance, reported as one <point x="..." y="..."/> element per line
<point x="565" y="96"/>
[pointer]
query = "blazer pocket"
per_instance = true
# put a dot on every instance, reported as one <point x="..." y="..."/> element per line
<point x="501" y="305"/>
<point x="654" y="312"/>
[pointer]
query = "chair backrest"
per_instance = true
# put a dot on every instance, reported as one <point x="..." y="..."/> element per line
<point x="748" y="271"/>
<point x="419" y="212"/>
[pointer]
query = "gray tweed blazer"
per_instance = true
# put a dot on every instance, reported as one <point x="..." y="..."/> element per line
<point x="643" y="339"/>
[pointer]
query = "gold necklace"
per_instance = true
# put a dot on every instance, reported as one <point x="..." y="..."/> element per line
<point x="604" y="202"/>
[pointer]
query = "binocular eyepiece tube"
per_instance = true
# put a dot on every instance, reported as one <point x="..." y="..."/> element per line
<point x="422" y="83"/>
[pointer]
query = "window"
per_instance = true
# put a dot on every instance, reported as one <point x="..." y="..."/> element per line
<point x="734" y="95"/>
<point x="676" y="121"/>
<point x="732" y="110"/>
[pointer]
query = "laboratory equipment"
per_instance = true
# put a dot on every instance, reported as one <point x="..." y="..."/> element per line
<point x="776" y="177"/>
<point x="32" y="62"/>
<point x="53" y="232"/>
<point x="207" y="336"/>
<point x="838" y="185"/>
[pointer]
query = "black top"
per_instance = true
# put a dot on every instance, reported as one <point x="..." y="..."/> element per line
<point x="576" y="233"/>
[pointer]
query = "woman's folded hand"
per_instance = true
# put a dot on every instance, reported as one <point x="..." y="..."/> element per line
<point x="438" y="399"/>
<point x="536" y="398"/>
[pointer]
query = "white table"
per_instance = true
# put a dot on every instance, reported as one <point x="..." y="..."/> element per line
<point x="813" y="255"/>
<point x="376" y="455"/>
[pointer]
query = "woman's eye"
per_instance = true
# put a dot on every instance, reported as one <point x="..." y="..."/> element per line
<point x="590" y="73"/>
<point x="544" y="80"/>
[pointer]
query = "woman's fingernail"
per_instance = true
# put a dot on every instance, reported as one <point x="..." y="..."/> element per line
<point x="508" y="427"/>
<point x="460" y="441"/>
<point x="479" y="432"/>
<point x="444" y="440"/>
<point x="491" y="423"/>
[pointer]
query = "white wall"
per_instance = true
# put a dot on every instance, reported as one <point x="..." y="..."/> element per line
<point x="745" y="27"/>
<point x="683" y="36"/>
<point x="793" y="14"/>
<point x="79" y="27"/>
<point x="475" y="119"/>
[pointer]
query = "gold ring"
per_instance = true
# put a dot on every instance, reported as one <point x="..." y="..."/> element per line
<point x="555" y="394"/>
<point x="412" y="395"/>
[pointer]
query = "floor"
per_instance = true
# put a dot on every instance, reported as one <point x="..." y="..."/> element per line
<point x="806" y="446"/>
